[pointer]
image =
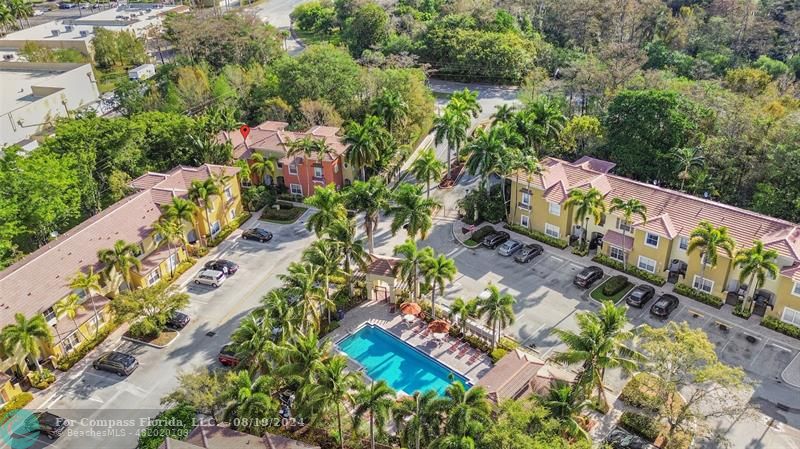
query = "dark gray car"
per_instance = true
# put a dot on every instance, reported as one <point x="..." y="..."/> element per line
<point x="639" y="296"/>
<point x="665" y="305"/>
<point x="116" y="362"/>
<point x="509" y="248"/>
<point x="529" y="252"/>
<point x="496" y="239"/>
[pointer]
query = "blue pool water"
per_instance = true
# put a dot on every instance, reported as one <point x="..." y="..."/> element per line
<point x="404" y="368"/>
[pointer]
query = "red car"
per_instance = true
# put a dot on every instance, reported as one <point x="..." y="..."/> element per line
<point x="227" y="356"/>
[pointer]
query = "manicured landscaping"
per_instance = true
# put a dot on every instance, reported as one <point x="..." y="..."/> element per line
<point x="159" y="339"/>
<point x="229" y="228"/>
<point x="632" y="270"/>
<point x="613" y="289"/>
<point x="17" y="402"/>
<point x="777" y="325"/>
<point x="68" y="361"/>
<point x="641" y="425"/>
<point x="697" y="295"/>
<point x="478" y="236"/>
<point x="536" y="235"/>
<point x="286" y="214"/>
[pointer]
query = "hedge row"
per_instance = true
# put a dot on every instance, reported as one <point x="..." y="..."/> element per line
<point x="697" y="295"/>
<point x="479" y="235"/>
<point x="69" y="360"/>
<point x="770" y="322"/>
<point x="615" y="285"/>
<point x="642" y="425"/>
<point x="17" y="402"/>
<point x="638" y="393"/>
<point x="229" y="228"/>
<point x="632" y="270"/>
<point x="540" y="236"/>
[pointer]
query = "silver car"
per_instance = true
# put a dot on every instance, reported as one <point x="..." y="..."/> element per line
<point x="213" y="278"/>
<point x="509" y="248"/>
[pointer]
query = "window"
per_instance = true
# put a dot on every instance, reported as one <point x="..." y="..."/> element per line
<point x="232" y="214"/>
<point x="154" y="277"/>
<point x="622" y="226"/>
<point x="296" y="189"/>
<point x="526" y="200"/>
<point x="555" y="208"/>
<point x="552" y="231"/>
<point x="292" y="169"/>
<point x="651" y="240"/>
<point x="524" y="220"/>
<point x="228" y="194"/>
<point x="215" y="228"/>
<point x="702" y="284"/>
<point x="70" y="342"/>
<point x="50" y="315"/>
<point x="795" y="291"/>
<point x="616" y="253"/>
<point x="647" y="264"/>
<point x="683" y="243"/>
<point x="791" y="316"/>
<point x="318" y="172"/>
<point x="172" y="262"/>
<point x="158" y="238"/>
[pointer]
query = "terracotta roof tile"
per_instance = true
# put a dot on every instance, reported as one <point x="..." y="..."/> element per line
<point x="661" y="225"/>
<point x="518" y="374"/>
<point x="382" y="266"/>
<point x="615" y="238"/>
<point x="273" y="137"/>
<point x="219" y="437"/>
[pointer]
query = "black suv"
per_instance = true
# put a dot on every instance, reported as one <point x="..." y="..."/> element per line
<point x="225" y="266"/>
<point x="665" y="305"/>
<point x="51" y="425"/>
<point x="639" y="296"/>
<point x="496" y="239"/>
<point x="178" y="320"/>
<point x="588" y="276"/>
<point x="262" y="235"/>
<point x="116" y="362"/>
<point x="529" y="252"/>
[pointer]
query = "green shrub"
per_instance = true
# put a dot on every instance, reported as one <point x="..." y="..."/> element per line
<point x="770" y="322"/>
<point x="481" y="233"/>
<point x="644" y="426"/>
<point x="477" y="343"/>
<point x="507" y="344"/>
<point x="257" y="197"/>
<point x="639" y="392"/>
<point x="144" y="328"/>
<point x="66" y="362"/>
<point x="286" y="213"/>
<point x="471" y="243"/>
<point x="330" y="327"/>
<point x="632" y="270"/>
<point x="182" y="267"/>
<point x="17" y="402"/>
<point x="741" y="312"/>
<point x="497" y="354"/>
<point x="175" y="423"/>
<point x="42" y="379"/>
<point x="697" y="295"/>
<point x="291" y="197"/>
<point x="615" y="285"/>
<point x="229" y="228"/>
<point x="197" y="251"/>
<point x="536" y="235"/>
<point x="581" y="250"/>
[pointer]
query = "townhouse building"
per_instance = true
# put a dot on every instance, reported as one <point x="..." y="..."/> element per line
<point x="36" y="283"/>
<point x="299" y="173"/>
<point x="659" y="244"/>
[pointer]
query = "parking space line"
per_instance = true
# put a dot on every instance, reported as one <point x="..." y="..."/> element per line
<point x="758" y="353"/>
<point x="782" y="348"/>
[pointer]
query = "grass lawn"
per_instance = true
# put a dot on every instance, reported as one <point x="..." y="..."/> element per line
<point x="310" y="38"/>
<point x="282" y="216"/>
<point x="597" y="293"/>
<point x="162" y="339"/>
<point x="471" y="243"/>
<point x="108" y="80"/>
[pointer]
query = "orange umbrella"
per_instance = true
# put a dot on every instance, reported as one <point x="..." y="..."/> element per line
<point x="439" y="326"/>
<point x="410" y="308"/>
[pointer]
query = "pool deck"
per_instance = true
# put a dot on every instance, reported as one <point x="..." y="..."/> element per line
<point x="470" y="363"/>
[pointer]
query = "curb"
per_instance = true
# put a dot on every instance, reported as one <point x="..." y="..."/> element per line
<point x="786" y="370"/>
<point x="177" y="334"/>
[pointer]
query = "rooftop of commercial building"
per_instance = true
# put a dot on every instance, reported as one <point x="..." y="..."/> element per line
<point x="20" y="77"/>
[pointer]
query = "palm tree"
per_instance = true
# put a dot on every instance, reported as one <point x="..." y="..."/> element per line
<point x="391" y="107"/>
<point x="326" y="257"/>
<point x="463" y="311"/>
<point x="686" y="158"/>
<point x="541" y="122"/>
<point x="253" y="343"/>
<point x="451" y="126"/>
<point x="427" y="168"/>
<point x="7" y="20"/>
<point x="343" y="234"/>
<point x="123" y="258"/>
<point x="587" y="204"/>
<point x="210" y="151"/>
<point x="70" y="306"/>
<point x="370" y="197"/>
<point x="301" y="359"/>
<point x="709" y="240"/>
<point x="20" y="9"/>
<point x="261" y="166"/>
<point x="301" y="283"/>
<point x="376" y="400"/>
<point x="503" y="113"/>
<point x="410" y="210"/>
<point x="221" y="180"/>
<point x="25" y="338"/>
<point x="487" y="152"/>
<point x="756" y="263"/>
<point x="250" y="401"/>
<point x="183" y="210"/>
<point x="332" y="390"/>
<point x="171" y="232"/>
<point x="565" y="405"/>
<point x="201" y="193"/>
<point x="365" y="143"/>
<point x="599" y="344"/>
<point x="245" y="172"/>
<point x="329" y="203"/>
<point x="306" y="147"/>
<point x="277" y="308"/>
<point x="417" y="418"/>
<point x="498" y="309"/>
<point x="437" y="270"/>
<point x="89" y="282"/>
<point x="628" y="209"/>
<point x="468" y="412"/>
<point x="408" y="267"/>
<point x="466" y="101"/>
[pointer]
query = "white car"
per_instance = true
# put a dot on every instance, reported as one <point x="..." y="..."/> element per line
<point x="213" y="278"/>
<point x="38" y="12"/>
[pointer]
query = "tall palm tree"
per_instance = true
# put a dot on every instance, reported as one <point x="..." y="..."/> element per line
<point x="599" y="344"/>
<point x="70" y="306"/>
<point x="463" y="311"/>
<point x="468" y="412"/>
<point x="436" y="270"/>
<point x="277" y="308"/>
<point x="409" y="267"/>
<point x="687" y="158"/>
<point x="417" y="417"/>
<point x="329" y="203"/>
<point x="503" y="113"/>
<point x="498" y="309"/>
<point x="365" y="143"/>
<point x="25" y="338"/>
<point x="201" y="192"/>
<point x="466" y="101"/>
<point x="301" y="283"/>
<point x="250" y="401"/>
<point x="183" y="210"/>
<point x="487" y="152"/>
<point x="343" y="234"/>
<point x="302" y="357"/>
<point x="89" y="282"/>
<point x="410" y="210"/>
<point x="221" y="180"/>
<point x="261" y="166"/>
<point x="391" y="107"/>
<point x="451" y="126"/>
<point x="245" y="172"/>
<point x="370" y="197"/>
<point x="253" y="343"/>
<point x="542" y="122"/>
<point x="427" y="168"/>
<point x="565" y="404"/>
<point x="587" y="204"/>
<point x="171" y="232"/>
<point x="7" y="20"/>
<point x="756" y="263"/>
<point x="332" y="390"/>
<point x="376" y="400"/>
<point x="709" y="240"/>
<point x="326" y="257"/>
<point x="122" y="257"/>
<point x="628" y="209"/>
<point x="21" y="10"/>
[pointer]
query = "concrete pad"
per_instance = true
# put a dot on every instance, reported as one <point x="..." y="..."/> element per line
<point x="547" y="264"/>
<point x="691" y="316"/>
<point x="739" y="351"/>
<point x="772" y="361"/>
<point x="718" y="336"/>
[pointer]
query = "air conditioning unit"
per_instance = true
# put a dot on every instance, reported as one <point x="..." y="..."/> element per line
<point x="84" y="33"/>
<point x="55" y="32"/>
<point x="68" y="28"/>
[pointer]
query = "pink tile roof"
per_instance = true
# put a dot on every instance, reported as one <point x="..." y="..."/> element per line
<point x="42" y="277"/>
<point x="615" y="238"/>
<point x="519" y="374"/>
<point x="219" y="437"/>
<point x="661" y="224"/>
<point x="273" y="137"/>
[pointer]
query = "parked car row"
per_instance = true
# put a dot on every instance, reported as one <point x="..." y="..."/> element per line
<point x="507" y="247"/>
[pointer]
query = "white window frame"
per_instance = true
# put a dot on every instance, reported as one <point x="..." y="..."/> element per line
<point x="701" y="282"/>
<point x="554" y="208"/>
<point x="228" y="193"/>
<point x="622" y="226"/>
<point x="646" y="264"/>
<point x="157" y="238"/>
<point x="321" y="172"/>
<point x="49" y="315"/>
<point x="796" y="289"/>
<point x="232" y="214"/>
<point x="70" y="342"/>
<point x="292" y="169"/>
<point x="793" y="318"/>
<point x="683" y="243"/>
<point x="647" y="236"/>
<point x="173" y="261"/>
<point x="336" y="168"/>
<point x="218" y="227"/>
<point x="299" y="189"/>
<point x="153" y="277"/>
<point x="552" y="231"/>
<point x="613" y="249"/>
<point x="524" y="221"/>
<point x="526" y="199"/>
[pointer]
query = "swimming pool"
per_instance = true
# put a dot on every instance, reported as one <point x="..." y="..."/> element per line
<point x="403" y="367"/>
